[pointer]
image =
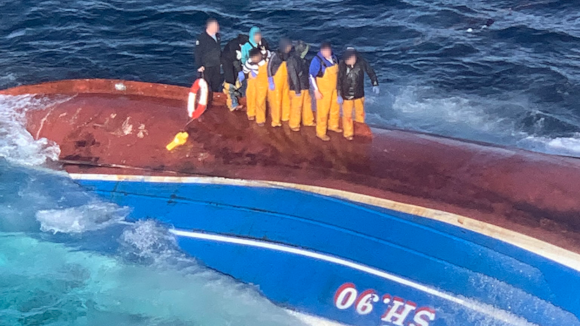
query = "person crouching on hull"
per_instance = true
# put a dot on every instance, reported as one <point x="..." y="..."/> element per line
<point x="323" y="76"/>
<point x="256" y="69"/>
<point x="232" y="65"/>
<point x="351" y="89"/>
<point x="278" y="95"/>
<point x="299" y="84"/>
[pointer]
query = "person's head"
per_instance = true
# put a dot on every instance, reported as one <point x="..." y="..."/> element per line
<point x="255" y="55"/>
<point x="285" y="45"/>
<point x="326" y="49"/>
<point x="212" y="26"/>
<point x="301" y="48"/>
<point x="255" y="35"/>
<point x="349" y="56"/>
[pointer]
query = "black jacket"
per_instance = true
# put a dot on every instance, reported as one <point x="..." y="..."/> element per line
<point x="275" y="62"/>
<point x="297" y="72"/>
<point x="207" y="51"/>
<point x="231" y="63"/>
<point x="350" y="84"/>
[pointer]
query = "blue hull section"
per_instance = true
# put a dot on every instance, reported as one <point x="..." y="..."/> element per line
<point x="354" y="263"/>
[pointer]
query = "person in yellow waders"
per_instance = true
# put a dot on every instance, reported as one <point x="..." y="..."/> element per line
<point x="278" y="94"/>
<point x="351" y="89"/>
<point x="323" y="76"/>
<point x="300" y="100"/>
<point x="256" y="69"/>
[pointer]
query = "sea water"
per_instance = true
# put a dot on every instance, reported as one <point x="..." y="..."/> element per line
<point x="502" y="71"/>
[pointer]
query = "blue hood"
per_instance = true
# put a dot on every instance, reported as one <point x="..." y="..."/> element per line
<point x="255" y="30"/>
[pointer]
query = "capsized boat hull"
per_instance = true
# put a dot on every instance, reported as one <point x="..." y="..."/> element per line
<point x="395" y="228"/>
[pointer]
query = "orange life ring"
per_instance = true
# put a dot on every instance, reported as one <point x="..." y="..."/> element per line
<point x="199" y="87"/>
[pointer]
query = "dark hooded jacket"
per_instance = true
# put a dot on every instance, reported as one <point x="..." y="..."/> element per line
<point x="231" y="58"/>
<point x="275" y="62"/>
<point x="297" y="72"/>
<point x="350" y="83"/>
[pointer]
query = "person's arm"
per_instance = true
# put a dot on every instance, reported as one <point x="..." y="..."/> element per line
<point x="313" y="72"/>
<point x="199" y="52"/>
<point x="341" y="73"/>
<point x="294" y="70"/>
<point x="246" y="52"/>
<point x="251" y="68"/>
<point x="247" y="68"/>
<point x="270" y="63"/>
<point x="371" y="72"/>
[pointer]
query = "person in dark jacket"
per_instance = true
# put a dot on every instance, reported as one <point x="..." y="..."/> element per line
<point x="278" y="93"/>
<point x="232" y="65"/>
<point x="299" y="85"/>
<point x="351" y="88"/>
<point x="208" y="54"/>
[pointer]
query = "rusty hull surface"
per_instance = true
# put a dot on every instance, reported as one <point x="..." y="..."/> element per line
<point x="125" y="132"/>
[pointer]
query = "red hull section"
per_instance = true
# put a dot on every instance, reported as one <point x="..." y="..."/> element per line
<point x="111" y="129"/>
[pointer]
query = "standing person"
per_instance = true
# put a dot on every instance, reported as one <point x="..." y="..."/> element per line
<point x="299" y="84"/>
<point x="351" y="89"/>
<point x="232" y="65"/>
<point x="208" y="54"/>
<point x="278" y="94"/>
<point x="323" y="76"/>
<point x="255" y="41"/>
<point x="256" y="69"/>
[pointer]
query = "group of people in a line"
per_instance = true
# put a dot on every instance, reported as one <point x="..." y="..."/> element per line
<point x="283" y="80"/>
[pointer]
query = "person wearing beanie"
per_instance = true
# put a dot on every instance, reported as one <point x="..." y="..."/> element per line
<point x="278" y="94"/>
<point x="299" y="85"/>
<point x="351" y="89"/>
<point x="323" y="75"/>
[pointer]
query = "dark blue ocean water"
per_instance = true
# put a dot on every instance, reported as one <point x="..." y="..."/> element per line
<point x="67" y="258"/>
<point x="515" y="83"/>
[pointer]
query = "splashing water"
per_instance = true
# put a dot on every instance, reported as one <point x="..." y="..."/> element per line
<point x="16" y="144"/>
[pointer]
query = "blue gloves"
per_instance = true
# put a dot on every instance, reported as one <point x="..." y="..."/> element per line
<point x="254" y="74"/>
<point x="241" y="76"/>
<point x="339" y="99"/>
<point x="271" y="83"/>
<point x="298" y="94"/>
<point x="376" y="90"/>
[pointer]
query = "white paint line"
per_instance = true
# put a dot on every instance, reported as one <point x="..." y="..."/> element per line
<point x="467" y="303"/>
<point x="318" y="256"/>
<point x="313" y="320"/>
<point x="539" y="247"/>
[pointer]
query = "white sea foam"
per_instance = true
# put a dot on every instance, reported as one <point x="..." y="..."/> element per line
<point x="93" y="216"/>
<point x="17" y="145"/>
<point x="569" y="146"/>
<point x="473" y="118"/>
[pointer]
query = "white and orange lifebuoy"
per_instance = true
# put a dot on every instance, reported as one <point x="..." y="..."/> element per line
<point x="200" y="88"/>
